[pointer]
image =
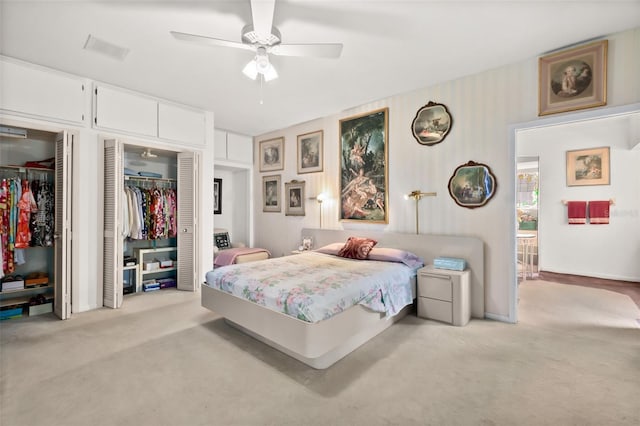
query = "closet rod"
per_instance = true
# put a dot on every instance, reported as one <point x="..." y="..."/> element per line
<point x="146" y="178"/>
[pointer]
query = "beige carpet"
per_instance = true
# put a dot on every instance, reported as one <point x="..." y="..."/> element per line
<point x="574" y="359"/>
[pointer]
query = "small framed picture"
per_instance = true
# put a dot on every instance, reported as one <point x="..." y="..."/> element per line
<point x="294" y="198"/>
<point x="307" y="243"/>
<point x="217" y="196"/>
<point x="271" y="193"/>
<point x="310" y="152"/>
<point x="272" y="155"/>
<point x="573" y="79"/>
<point x="431" y="124"/>
<point x="472" y="185"/>
<point x="588" y="167"/>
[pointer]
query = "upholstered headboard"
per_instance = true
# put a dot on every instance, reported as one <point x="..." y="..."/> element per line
<point x="427" y="246"/>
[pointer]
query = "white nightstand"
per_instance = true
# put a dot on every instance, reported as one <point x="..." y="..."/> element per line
<point x="444" y="295"/>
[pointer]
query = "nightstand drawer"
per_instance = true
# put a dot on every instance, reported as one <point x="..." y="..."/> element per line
<point x="435" y="286"/>
<point x="435" y="309"/>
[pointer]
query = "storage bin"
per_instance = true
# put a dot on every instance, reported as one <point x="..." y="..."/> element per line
<point x="44" y="308"/>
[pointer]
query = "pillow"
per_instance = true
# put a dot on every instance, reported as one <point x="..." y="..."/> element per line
<point x="330" y="249"/>
<point x="357" y="248"/>
<point x="396" y="255"/>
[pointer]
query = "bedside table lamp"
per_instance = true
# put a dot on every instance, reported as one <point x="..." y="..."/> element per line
<point x="417" y="195"/>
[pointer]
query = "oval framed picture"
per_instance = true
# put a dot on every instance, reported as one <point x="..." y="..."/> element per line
<point x="472" y="185"/>
<point x="431" y="124"/>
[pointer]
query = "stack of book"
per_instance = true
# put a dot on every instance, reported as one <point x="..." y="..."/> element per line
<point x="150" y="285"/>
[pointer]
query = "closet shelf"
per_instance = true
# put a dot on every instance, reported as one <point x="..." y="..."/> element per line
<point x="26" y="169"/>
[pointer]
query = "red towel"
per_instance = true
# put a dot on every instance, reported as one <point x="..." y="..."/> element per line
<point x="577" y="212"/>
<point x="599" y="212"/>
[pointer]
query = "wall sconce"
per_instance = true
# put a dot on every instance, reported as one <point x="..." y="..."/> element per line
<point x="417" y="195"/>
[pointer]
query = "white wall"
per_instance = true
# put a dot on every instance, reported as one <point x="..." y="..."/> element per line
<point x="606" y="251"/>
<point x="225" y="220"/>
<point x="483" y="106"/>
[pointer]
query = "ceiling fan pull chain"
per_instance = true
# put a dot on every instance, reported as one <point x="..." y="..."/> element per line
<point x="261" y="82"/>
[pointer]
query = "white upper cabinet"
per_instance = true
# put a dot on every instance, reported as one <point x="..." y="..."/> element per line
<point x="239" y="148"/>
<point x="232" y="147"/>
<point x="121" y="110"/>
<point x="181" y="124"/>
<point x="220" y="144"/>
<point x="32" y="90"/>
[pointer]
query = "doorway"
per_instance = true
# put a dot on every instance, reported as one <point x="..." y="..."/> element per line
<point x="527" y="196"/>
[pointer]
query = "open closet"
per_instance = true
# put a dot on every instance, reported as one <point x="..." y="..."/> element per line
<point x="35" y="221"/>
<point x="149" y="220"/>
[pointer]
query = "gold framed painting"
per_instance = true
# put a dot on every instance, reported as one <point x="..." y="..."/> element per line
<point x="573" y="79"/>
<point x="272" y="155"/>
<point x="310" y="152"/>
<point x="588" y="167"/>
<point x="294" y="198"/>
<point x="363" y="167"/>
<point x="271" y="194"/>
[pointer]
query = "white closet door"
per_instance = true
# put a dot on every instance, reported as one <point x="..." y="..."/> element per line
<point x="113" y="188"/>
<point x="62" y="231"/>
<point x="187" y="220"/>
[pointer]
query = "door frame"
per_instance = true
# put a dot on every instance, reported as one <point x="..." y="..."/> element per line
<point x="128" y="141"/>
<point x="513" y="154"/>
<point x="72" y="296"/>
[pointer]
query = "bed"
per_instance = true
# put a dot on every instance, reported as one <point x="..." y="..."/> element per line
<point x="316" y="337"/>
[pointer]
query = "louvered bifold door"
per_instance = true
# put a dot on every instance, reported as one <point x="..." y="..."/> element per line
<point x="62" y="226"/>
<point x="113" y="189"/>
<point x="187" y="220"/>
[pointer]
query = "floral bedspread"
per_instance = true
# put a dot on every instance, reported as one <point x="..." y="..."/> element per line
<point x="314" y="286"/>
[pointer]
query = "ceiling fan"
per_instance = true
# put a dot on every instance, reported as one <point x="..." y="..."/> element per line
<point x="263" y="38"/>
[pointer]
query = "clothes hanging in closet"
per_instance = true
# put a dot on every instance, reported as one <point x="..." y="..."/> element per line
<point x="26" y="219"/>
<point x="149" y="213"/>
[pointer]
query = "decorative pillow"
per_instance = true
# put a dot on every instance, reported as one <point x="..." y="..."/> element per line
<point x="357" y="248"/>
<point x="396" y="255"/>
<point x="332" y="249"/>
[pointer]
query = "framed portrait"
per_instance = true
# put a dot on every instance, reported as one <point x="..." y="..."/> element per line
<point x="307" y="243"/>
<point x="363" y="167"/>
<point x="431" y="124"/>
<point x="217" y="196"/>
<point x="271" y="193"/>
<point x="272" y="155"/>
<point x="310" y="152"/>
<point x="573" y="79"/>
<point x="472" y="185"/>
<point x="588" y="167"/>
<point x="294" y="198"/>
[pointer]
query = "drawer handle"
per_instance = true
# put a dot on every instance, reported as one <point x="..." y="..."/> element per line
<point x="440" y="277"/>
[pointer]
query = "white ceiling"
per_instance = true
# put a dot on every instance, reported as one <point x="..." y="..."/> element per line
<point x="390" y="47"/>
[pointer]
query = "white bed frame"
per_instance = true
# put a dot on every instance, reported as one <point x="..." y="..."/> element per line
<point x="321" y="344"/>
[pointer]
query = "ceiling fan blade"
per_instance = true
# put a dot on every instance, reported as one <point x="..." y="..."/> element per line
<point x="262" y="14"/>
<point x="210" y="41"/>
<point x="317" y="50"/>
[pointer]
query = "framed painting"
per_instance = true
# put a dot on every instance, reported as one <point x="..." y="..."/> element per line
<point x="272" y="155"/>
<point x="431" y="124"/>
<point x="472" y="185"/>
<point x="271" y="193"/>
<point x="217" y="196"/>
<point x="310" y="152"/>
<point x="363" y="167"/>
<point x="573" y="79"/>
<point x="588" y="167"/>
<point x="294" y="198"/>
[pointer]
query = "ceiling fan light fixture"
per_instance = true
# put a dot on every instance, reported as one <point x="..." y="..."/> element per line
<point x="260" y="65"/>
<point x="251" y="69"/>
